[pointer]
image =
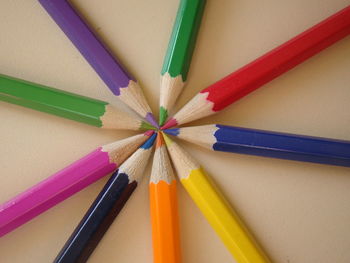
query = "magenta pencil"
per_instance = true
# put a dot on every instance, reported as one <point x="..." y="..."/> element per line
<point x="66" y="182"/>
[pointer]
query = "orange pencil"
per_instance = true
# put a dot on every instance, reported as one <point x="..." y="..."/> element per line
<point x="164" y="211"/>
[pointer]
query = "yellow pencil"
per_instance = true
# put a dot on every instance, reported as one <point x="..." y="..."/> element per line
<point x="215" y="207"/>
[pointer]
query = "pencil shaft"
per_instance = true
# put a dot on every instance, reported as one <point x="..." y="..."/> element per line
<point x="182" y="42"/>
<point x="97" y="220"/>
<point x="267" y="143"/>
<point x="223" y="219"/>
<point x="282" y="145"/>
<point x="53" y="101"/>
<point x="94" y="51"/>
<point x="279" y="60"/>
<point x="165" y="225"/>
<point x="54" y="189"/>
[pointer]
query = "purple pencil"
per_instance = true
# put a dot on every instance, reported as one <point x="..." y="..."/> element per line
<point x="110" y="70"/>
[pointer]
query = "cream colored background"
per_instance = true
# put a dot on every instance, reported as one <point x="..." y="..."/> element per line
<point x="299" y="212"/>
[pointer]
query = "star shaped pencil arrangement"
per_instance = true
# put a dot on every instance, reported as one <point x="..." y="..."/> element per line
<point x="126" y="159"/>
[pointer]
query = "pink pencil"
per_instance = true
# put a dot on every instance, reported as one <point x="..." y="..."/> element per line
<point x="66" y="182"/>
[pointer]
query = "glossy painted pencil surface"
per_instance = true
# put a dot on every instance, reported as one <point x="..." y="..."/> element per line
<point x="267" y="143"/>
<point x="66" y="182"/>
<point x="215" y="207"/>
<point x="110" y="70"/>
<point x="106" y="207"/>
<point x="164" y="209"/>
<point x="178" y="56"/>
<point x="264" y="69"/>
<point x="67" y="105"/>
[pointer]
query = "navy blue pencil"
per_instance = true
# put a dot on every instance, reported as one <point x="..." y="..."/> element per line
<point x="267" y="143"/>
<point x="106" y="207"/>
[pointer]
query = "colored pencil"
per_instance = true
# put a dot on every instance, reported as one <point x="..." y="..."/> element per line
<point x="267" y="143"/>
<point x="66" y="182"/>
<point x="264" y="69"/>
<point x="164" y="210"/>
<point x="178" y="56"/>
<point x="214" y="207"/>
<point x="106" y="207"/>
<point x="110" y="70"/>
<point x="67" y="105"/>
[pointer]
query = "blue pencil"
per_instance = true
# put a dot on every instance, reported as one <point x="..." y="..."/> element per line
<point x="266" y="143"/>
<point x="106" y="207"/>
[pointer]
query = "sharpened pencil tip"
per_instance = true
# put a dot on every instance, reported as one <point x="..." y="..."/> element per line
<point x="149" y="133"/>
<point x="174" y="131"/>
<point x="160" y="140"/>
<point x="163" y="115"/>
<point x="170" y="123"/>
<point x="149" y="143"/>
<point x="146" y="126"/>
<point x="150" y="118"/>
<point x="167" y="140"/>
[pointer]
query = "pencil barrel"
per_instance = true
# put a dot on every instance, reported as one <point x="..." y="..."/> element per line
<point x="223" y="219"/>
<point x="53" y="101"/>
<point x="165" y="222"/>
<point x="53" y="190"/>
<point x="82" y="36"/>
<point x="182" y="41"/>
<point x="97" y="219"/>
<point x="279" y="60"/>
<point x="282" y="145"/>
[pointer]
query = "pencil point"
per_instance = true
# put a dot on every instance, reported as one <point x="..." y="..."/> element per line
<point x="146" y="126"/>
<point x="149" y="143"/>
<point x="150" y="118"/>
<point x="149" y="133"/>
<point x="174" y="131"/>
<point x="163" y="115"/>
<point x="160" y="140"/>
<point x="170" y="123"/>
<point x="167" y="140"/>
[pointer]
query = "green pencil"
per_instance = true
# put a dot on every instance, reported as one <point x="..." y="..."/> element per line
<point x="67" y="105"/>
<point x="178" y="56"/>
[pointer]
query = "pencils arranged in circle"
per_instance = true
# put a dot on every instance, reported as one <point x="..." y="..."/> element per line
<point x="216" y="209"/>
<point x="66" y="182"/>
<point x="178" y="56"/>
<point x="267" y="143"/>
<point x="264" y="69"/>
<point x="164" y="209"/>
<point x="67" y="105"/>
<point x="127" y="159"/>
<point x="106" y="207"/>
<point x="110" y="70"/>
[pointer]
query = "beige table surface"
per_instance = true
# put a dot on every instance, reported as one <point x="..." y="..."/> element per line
<point x="299" y="212"/>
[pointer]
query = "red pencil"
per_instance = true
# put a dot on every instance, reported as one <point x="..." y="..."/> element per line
<point x="264" y="69"/>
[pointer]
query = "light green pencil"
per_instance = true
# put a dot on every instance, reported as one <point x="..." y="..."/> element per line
<point x="67" y="105"/>
<point x="178" y="56"/>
